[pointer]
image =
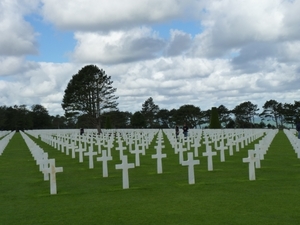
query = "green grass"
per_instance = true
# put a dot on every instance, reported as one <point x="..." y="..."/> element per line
<point x="222" y="196"/>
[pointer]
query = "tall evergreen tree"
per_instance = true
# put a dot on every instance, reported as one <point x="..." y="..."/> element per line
<point x="214" y="119"/>
<point x="89" y="92"/>
<point x="149" y="111"/>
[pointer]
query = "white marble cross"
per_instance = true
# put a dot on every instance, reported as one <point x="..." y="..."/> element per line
<point x="44" y="165"/>
<point x="187" y="142"/>
<point x="191" y="162"/>
<point x="99" y="142"/>
<point x="230" y="144"/>
<point x="124" y="166"/>
<point x="206" y="140"/>
<point x="259" y="151"/>
<point x="120" y="148"/>
<point x="80" y="150"/>
<point x="237" y="145"/>
<point x="242" y="138"/>
<point x="130" y="142"/>
<point x="52" y="170"/>
<point x="196" y="145"/>
<point x="137" y="153"/>
<point x="74" y="148"/>
<point x="109" y="146"/>
<point x="251" y="160"/>
<point x="68" y="147"/>
<point x="222" y="149"/>
<point x="209" y="153"/>
<point x="159" y="157"/>
<point x="91" y="154"/>
<point x="104" y="158"/>
<point x="180" y="150"/>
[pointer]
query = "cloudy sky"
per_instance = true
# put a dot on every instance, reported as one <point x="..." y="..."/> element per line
<point x="178" y="52"/>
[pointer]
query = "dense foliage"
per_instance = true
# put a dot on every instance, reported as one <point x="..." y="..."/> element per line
<point x="20" y="118"/>
<point x="89" y="93"/>
<point x="244" y="115"/>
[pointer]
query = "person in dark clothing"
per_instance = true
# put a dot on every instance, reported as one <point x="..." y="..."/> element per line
<point x="185" y="130"/>
<point x="298" y="128"/>
<point x="81" y="131"/>
<point x="177" y="131"/>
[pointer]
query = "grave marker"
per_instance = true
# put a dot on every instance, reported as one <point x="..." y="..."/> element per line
<point x="196" y="145"/>
<point x="180" y="150"/>
<point x="159" y="157"/>
<point x="222" y="149"/>
<point x="124" y="166"/>
<point x="137" y="153"/>
<point x="44" y="165"/>
<point x="91" y="154"/>
<point x="52" y="170"/>
<point x="121" y="148"/>
<point x="209" y="153"/>
<point x="80" y="150"/>
<point x="104" y="158"/>
<point x="191" y="162"/>
<point x="251" y="160"/>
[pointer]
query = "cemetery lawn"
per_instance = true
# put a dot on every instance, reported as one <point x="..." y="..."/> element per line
<point x="223" y="196"/>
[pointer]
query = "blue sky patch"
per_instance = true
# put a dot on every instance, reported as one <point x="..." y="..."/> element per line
<point x="54" y="45"/>
<point x="190" y="27"/>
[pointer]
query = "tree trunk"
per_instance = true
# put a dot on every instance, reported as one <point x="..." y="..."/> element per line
<point x="98" y="126"/>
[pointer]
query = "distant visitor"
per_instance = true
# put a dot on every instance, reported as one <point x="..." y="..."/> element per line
<point x="185" y="130"/>
<point x="177" y="131"/>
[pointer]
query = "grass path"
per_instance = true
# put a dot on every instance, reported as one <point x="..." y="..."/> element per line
<point x="222" y="196"/>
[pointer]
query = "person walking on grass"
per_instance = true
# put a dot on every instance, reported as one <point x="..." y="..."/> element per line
<point x="298" y="128"/>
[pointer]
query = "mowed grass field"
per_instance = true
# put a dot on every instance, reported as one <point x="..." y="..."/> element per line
<point x="222" y="196"/>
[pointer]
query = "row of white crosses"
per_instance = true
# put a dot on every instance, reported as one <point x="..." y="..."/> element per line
<point x="141" y="143"/>
<point x="159" y="155"/>
<point x="84" y="145"/>
<point x="46" y="166"/>
<point x="216" y="139"/>
<point x="256" y="155"/>
<point x="192" y="144"/>
<point x="292" y="135"/>
<point x="140" y="146"/>
<point x="239" y="139"/>
<point x="180" y="145"/>
<point x="137" y="141"/>
<point x="6" y="136"/>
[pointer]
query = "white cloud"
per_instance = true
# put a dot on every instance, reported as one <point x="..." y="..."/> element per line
<point x="12" y="65"/>
<point x="291" y="27"/>
<point x="43" y="84"/>
<point x="117" y="46"/>
<point x="180" y="42"/>
<point x="233" y="24"/>
<point x="17" y="36"/>
<point x="113" y="14"/>
<point x="289" y="51"/>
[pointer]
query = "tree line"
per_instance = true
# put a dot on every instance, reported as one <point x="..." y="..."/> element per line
<point x="89" y="102"/>
<point x="244" y="115"/>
